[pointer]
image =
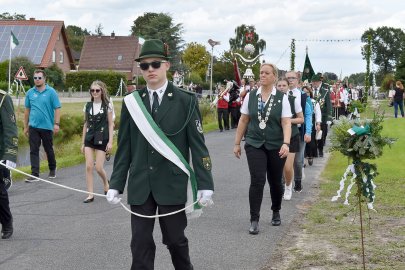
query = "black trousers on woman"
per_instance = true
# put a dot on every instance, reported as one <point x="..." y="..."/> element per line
<point x="262" y="163"/>
<point x="143" y="246"/>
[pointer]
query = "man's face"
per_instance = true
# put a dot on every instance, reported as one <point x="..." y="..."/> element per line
<point x="316" y="84"/>
<point x="154" y="71"/>
<point x="39" y="79"/>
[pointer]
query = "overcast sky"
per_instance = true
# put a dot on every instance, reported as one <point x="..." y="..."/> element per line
<point x="276" y="21"/>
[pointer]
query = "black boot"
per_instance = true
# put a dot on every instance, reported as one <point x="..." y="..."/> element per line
<point x="7" y="231"/>
<point x="276" y="220"/>
<point x="254" y="227"/>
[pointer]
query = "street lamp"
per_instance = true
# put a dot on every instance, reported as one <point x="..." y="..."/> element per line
<point x="212" y="43"/>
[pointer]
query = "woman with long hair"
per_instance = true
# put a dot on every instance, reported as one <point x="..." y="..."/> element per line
<point x="97" y="135"/>
<point x="399" y="99"/>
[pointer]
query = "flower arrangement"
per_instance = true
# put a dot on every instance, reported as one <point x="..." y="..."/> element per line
<point x="360" y="140"/>
<point x="356" y="104"/>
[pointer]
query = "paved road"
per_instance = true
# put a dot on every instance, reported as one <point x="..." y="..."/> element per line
<point x="55" y="230"/>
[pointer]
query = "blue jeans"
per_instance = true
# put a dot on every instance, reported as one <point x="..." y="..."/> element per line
<point x="401" y="107"/>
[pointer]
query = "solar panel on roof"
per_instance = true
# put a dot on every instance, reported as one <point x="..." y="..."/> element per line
<point x="32" y="39"/>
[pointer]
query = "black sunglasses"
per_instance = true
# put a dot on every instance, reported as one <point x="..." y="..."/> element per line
<point x="95" y="90"/>
<point x="37" y="78"/>
<point x="154" y="64"/>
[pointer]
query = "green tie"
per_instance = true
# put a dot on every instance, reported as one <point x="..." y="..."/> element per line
<point x="155" y="105"/>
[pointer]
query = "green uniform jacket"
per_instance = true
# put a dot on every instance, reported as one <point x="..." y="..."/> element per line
<point x="324" y="101"/>
<point x="8" y="129"/>
<point x="149" y="172"/>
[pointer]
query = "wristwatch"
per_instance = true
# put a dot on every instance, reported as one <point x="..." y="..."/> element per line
<point x="287" y="144"/>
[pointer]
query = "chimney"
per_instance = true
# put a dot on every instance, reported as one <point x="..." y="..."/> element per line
<point x="112" y="35"/>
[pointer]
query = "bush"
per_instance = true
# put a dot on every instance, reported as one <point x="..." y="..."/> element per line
<point x="83" y="79"/>
<point x="387" y="83"/>
<point x="55" y="76"/>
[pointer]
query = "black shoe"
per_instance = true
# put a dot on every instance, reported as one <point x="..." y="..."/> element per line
<point x="7" y="231"/>
<point x="310" y="161"/>
<point x="52" y="174"/>
<point x="88" y="200"/>
<point x="276" y="220"/>
<point x="31" y="179"/>
<point x="220" y="130"/>
<point x="321" y="154"/>
<point x="254" y="227"/>
<point x="297" y="188"/>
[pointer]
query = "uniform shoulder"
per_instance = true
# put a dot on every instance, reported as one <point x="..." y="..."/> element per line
<point x="2" y="92"/>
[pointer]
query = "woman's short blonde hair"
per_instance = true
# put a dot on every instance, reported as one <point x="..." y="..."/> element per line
<point x="273" y="66"/>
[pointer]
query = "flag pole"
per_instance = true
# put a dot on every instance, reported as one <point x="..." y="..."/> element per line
<point x="9" y="70"/>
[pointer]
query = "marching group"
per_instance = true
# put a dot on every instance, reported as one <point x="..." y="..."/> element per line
<point x="281" y="120"/>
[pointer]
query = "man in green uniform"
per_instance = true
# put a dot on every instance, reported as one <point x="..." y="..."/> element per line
<point x="8" y="156"/>
<point x="322" y="96"/>
<point x="160" y="125"/>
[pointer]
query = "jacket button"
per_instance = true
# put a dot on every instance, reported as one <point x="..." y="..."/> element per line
<point x="151" y="167"/>
<point x="152" y="152"/>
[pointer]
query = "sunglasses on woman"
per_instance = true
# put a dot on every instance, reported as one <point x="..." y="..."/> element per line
<point x="154" y="64"/>
<point x="95" y="90"/>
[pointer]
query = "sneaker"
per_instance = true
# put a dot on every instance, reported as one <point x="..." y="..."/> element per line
<point x="310" y="161"/>
<point x="8" y="182"/>
<point x="52" y="174"/>
<point x="297" y="188"/>
<point x="31" y="179"/>
<point x="288" y="192"/>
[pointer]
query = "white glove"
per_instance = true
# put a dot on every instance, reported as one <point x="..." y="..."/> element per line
<point x="9" y="163"/>
<point x="204" y="197"/>
<point x="112" y="196"/>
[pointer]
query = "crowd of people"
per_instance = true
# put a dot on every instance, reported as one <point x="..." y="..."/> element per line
<point x="282" y="121"/>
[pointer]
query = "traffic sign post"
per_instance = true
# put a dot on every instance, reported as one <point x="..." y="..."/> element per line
<point x="21" y="75"/>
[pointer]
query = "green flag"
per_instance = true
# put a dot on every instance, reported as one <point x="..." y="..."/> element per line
<point x="13" y="41"/>
<point x="308" y="70"/>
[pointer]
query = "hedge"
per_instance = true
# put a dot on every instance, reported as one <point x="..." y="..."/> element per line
<point x="84" y="78"/>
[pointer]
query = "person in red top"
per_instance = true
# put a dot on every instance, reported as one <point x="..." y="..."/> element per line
<point x="221" y="101"/>
<point x="337" y="100"/>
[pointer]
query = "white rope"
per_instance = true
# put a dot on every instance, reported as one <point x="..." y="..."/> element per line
<point x="101" y="195"/>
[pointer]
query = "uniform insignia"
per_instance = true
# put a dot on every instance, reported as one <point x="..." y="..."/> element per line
<point x="15" y="141"/>
<point x="12" y="118"/>
<point x="207" y="163"/>
<point x="199" y="126"/>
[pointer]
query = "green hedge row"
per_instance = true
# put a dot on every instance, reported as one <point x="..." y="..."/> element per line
<point x="83" y="79"/>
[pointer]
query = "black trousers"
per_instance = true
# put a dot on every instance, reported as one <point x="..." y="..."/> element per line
<point x="142" y="244"/>
<point x="234" y="116"/>
<point x="36" y="136"/>
<point x="321" y="143"/>
<point x="223" y="115"/>
<point x="264" y="162"/>
<point x="5" y="214"/>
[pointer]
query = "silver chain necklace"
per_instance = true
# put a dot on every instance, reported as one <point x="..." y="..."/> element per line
<point x="262" y="122"/>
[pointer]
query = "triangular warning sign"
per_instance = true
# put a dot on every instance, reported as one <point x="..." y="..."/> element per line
<point x="21" y="75"/>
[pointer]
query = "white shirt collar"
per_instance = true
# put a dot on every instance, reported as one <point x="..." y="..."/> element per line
<point x="259" y="91"/>
<point x="160" y="91"/>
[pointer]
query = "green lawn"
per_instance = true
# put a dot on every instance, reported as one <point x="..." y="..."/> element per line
<point x="330" y="233"/>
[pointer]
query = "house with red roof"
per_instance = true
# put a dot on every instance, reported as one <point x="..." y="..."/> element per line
<point x="116" y="53"/>
<point x="43" y="42"/>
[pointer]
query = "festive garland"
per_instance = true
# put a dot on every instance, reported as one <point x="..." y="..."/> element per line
<point x="359" y="140"/>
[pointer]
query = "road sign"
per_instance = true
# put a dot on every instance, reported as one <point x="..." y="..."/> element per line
<point x="21" y="75"/>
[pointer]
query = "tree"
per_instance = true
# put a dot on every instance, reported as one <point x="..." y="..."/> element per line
<point x="400" y="69"/>
<point x="15" y="16"/>
<point x="387" y="44"/>
<point x="357" y="78"/>
<point x="29" y="68"/>
<point x="99" y="30"/>
<point x="55" y="76"/>
<point x="243" y="37"/>
<point x="75" y="36"/>
<point x="196" y="58"/>
<point x="161" y="26"/>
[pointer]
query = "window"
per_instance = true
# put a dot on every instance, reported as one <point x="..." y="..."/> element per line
<point x="119" y="57"/>
<point x="61" y="57"/>
<point x="53" y="56"/>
